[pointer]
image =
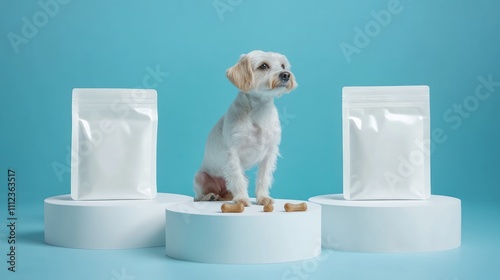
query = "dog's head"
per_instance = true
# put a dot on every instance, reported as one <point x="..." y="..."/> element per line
<point x="262" y="73"/>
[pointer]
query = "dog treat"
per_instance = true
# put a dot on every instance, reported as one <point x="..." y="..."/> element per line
<point x="268" y="208"/>
<point x="232" y="208"/>
<point x="290" y="207"/>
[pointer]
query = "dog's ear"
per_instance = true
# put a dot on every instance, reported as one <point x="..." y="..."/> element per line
<point x="241" y="74"/>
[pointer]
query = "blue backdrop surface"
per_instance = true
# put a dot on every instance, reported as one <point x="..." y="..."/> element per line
<point x="182" y="49"/>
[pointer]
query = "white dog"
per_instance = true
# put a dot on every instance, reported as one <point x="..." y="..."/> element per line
<point x="248" y="134"/>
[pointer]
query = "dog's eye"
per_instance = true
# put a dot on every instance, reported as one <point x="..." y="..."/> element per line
<point x="264" y="66"/>
<point x="283" y="66"/>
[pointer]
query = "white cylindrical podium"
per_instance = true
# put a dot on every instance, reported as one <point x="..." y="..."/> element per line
<point x="107" y="224"/>
<point x="390" y="225"/>
<point x="200" y="232"/>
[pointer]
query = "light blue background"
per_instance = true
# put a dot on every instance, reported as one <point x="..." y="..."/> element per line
<point x="447" y="45"/>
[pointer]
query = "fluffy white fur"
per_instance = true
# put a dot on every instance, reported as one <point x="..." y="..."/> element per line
<point x="248" y="134"/>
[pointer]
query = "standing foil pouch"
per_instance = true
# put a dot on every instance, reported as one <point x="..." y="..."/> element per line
<point x="386" y="142"/>
<point x="113" y="144"/>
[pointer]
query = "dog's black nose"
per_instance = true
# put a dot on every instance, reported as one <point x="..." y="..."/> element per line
<point x="284" y="76"/>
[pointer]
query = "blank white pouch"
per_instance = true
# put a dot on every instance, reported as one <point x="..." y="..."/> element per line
<point x="114" y="144"/>
<point x="386" y="142"/>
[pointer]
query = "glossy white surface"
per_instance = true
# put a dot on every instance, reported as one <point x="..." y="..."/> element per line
<point x="200" y="232"/>
<point x="107" y="224"/>
<point x="390" y="225"/>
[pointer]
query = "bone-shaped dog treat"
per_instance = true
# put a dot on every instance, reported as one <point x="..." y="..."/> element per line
<point x="232" y="208"/>
<point x="290" y="207"/>
<point x="268" y="208"/>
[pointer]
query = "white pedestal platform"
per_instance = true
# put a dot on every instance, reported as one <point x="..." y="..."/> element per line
<point x="390" y="225"/>
<point x="200" y="232"/>
<point x="107" y="224"/>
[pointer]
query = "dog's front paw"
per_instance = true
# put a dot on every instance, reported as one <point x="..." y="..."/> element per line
<point x="209" y="197"/>
<point x="265" y="200"/>
<point x="245" y="201"/>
